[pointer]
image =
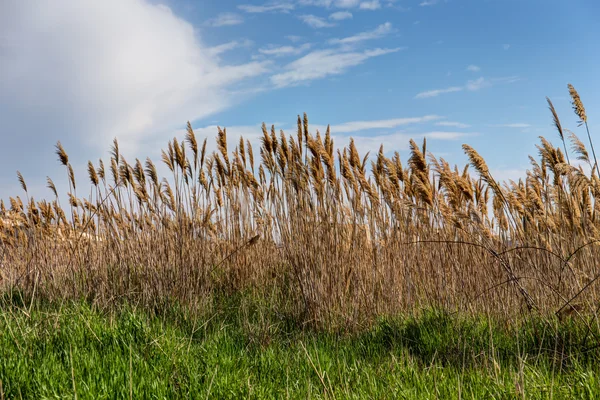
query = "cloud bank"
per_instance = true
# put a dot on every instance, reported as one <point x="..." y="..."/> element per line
<point x="95" y="70"/>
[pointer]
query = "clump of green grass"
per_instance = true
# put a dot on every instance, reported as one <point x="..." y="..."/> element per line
<point x="55" y="351"/>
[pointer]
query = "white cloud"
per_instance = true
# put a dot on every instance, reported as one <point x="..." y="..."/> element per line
<point x="392" y="4"/>
<point x="225" y="19"/>
<point x="452" y="124"/>
<point x="473" y="68"/>
<point x="321" y="63"/>
<point x="315" y="22"/>
<point x="280" y="51"/>
<point x="222" y="48"/>
<point x="471" y="85"/>
<point x="316" y="3"/>
<point x="477" y="84"/>
<point x="265" y="8"/>
<point x="225" y="47"/>
<point x="356" y="126"/>
<point x="85" y="72"/>
<point x="294" y="38"/>
<point x="437" y="92"/>
<point x="378" y="32"/>
<point x="428" y="3"/>
<point x="370" y="5"/>
<point x="346" y="3"/>
<point x="340" y="15"/>
<point x="506" y="46"/>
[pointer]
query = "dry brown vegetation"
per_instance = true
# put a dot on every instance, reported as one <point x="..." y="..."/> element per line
<point x="320" y="233"/>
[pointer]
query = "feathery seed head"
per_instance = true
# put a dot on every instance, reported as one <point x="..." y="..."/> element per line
<point x="577" y="105"/>
<point x="62" y="154"/>
<point x="92" y="174"/>
<point x="22" y="181"/>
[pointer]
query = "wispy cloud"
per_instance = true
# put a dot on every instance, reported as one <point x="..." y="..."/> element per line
<point x="294" y="38"/>
<point x="281" y="51"/>
<point x="378" y="32"/>
<point x="222" y="48"/>
<point x="315" y="22"/>
<point x="321" y="63"/>
<point x="316" y="3"/>
<point x="427" y="3"/>
<point x="356" y="126"/>
<point x="506" y="46"/>
<point x="395" y="6"/>
<point x="452" y="124"/>
<point x="471" y="85"/>
<point x="477" y="84"/>
<point x="347" y="4"/>
<point x="370" y="5"/>
<point x="505" y="79"/>
<point x="437" y="92"/>
<point x="329" y="3"/>
<point x="225" y="47"/>
<point x="269" y="7"/>
<point x="340" y="15"/>
<point x="473" y="68"/>
<point x="225" y="19"/>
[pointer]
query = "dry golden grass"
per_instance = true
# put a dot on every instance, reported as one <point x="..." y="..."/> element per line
<point x="324" y="238"/>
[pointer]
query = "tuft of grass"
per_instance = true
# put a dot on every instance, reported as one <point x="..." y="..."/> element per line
<point x="62" y="351"/>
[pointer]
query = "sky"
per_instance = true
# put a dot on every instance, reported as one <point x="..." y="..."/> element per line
<point x="83" y="72"/>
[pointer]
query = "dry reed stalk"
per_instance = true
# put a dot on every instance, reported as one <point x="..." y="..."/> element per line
<point x="337" y="243"/>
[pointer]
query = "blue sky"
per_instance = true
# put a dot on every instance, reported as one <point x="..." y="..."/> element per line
<point x="381" y="71"/>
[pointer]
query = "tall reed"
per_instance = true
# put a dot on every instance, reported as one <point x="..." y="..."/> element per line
<point x="327" y="237"/>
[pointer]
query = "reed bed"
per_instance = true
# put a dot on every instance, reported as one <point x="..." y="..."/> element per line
<point x="328" y="236"/>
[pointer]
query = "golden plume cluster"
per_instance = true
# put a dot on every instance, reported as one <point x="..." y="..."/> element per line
<point x="319" y="230"/>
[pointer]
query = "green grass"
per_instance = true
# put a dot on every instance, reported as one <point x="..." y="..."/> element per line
<point x="238" y="349"/>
